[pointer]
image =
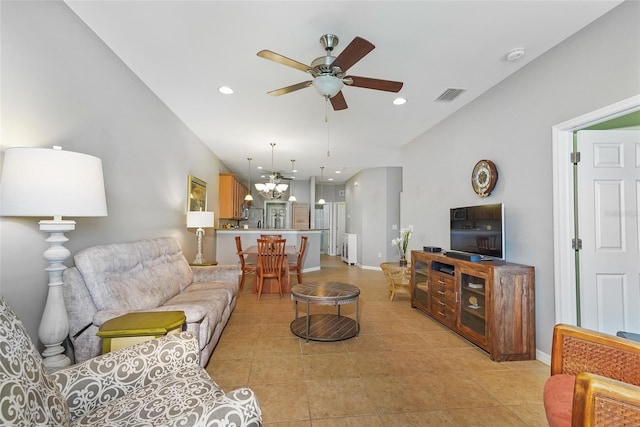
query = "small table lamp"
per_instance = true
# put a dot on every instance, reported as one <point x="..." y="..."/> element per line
<point x="199" y="220"/>
<point x="42" y="182"/>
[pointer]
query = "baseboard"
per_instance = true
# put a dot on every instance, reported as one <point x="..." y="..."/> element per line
<point x="543" y="357"/>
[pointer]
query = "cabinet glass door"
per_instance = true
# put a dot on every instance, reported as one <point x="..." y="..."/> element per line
<point x="473" y="301"/>
<point x="419" y="282"/>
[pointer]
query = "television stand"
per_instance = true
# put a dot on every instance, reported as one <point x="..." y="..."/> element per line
<point x="490" y="303"/>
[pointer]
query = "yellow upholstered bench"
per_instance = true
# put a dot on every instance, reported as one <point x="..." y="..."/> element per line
<point x="134" y="328"/>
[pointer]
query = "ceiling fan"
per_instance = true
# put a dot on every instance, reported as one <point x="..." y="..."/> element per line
<point x="277" y="176"/>
<point x="329" y="72"/>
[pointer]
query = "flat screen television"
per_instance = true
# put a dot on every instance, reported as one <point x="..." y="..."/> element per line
<point x="478" y="230"/>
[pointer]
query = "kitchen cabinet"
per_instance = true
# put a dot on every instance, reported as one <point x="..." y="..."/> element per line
<point x="490" y="303"/>
<point x="231" y="193"/>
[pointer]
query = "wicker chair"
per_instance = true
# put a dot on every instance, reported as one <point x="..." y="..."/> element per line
<point x="595" y="379"/>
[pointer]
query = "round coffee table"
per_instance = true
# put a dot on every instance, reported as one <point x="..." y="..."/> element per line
<point x="325" y="327"/>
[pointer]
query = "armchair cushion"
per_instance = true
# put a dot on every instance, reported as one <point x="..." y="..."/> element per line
<point x="558" y="398"/>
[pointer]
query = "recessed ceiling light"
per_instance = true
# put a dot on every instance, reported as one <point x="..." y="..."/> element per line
<point x="330" y="179"/>
<point x="225" y="90"/>
<point x="338" y="171"/>
<point x="399" y="101"/>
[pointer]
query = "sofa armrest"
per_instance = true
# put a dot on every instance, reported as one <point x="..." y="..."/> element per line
<point x="601" y="401"/>
<point x="96" y="381"/>
<point x="211" y="273"/>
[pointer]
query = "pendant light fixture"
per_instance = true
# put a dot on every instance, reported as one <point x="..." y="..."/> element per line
<point x="292" y="198"/>
<point x="272" y="189"/>
<point x="321" y="201"/>
<point x="249" y="197"/>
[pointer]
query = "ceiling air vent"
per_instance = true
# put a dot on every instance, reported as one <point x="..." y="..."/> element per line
<point x="450" y="94"/>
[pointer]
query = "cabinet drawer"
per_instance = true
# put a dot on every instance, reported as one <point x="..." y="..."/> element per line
<point x="443" y="310"/>
<point x="444" y="280"/>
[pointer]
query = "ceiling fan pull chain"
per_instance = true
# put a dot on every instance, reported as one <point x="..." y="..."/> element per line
<point x="326" y="120"/>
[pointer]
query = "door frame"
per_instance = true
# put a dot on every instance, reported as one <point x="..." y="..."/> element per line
<point x="563" y="208"/>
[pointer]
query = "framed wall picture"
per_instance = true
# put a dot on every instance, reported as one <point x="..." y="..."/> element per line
<point x="196" y="194"/>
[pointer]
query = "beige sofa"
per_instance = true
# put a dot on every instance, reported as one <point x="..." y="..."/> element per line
<point x="146" y="275"/>
<point x="156" y="383"/>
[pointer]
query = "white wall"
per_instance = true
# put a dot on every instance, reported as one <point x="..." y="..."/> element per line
<point x="511" y="125"/>
<point x="373" y="206"/>
<point x="62" y="86"/>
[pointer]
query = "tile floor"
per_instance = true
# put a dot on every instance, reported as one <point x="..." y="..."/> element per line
<point x="403" y="370"/>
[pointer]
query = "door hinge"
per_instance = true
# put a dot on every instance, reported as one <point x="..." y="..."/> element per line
<point x="576" y="244"/>
<point x="575" y="157"/>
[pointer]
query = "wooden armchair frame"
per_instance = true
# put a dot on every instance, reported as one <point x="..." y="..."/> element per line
<point x="607" y="370"/>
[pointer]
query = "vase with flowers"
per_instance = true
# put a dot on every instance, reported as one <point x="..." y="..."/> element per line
<point x="402" y="243"/>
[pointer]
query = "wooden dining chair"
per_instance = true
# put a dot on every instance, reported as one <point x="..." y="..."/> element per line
<point x="297" y="266"/>
<point x="271" y="236"/>
<point x="247" y="267"/>
<point x="270" y="262"/>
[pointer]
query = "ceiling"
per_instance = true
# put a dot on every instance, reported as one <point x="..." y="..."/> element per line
<point x="185" y="50"/>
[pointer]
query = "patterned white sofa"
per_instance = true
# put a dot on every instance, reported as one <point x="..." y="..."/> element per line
<point x="156" y="383"/>
<point x="146" y="275"/>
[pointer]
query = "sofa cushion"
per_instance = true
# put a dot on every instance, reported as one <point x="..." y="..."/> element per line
<point x="210" y="303"/>
<point x="134" y="276"/>
<point x="28" y="396"/>
<point x="558" y="399"/>
<point x="230" y="287"/>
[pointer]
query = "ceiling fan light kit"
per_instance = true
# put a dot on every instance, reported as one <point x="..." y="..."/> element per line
<point x="329" y="72"/>
<point x="328" y="85"/>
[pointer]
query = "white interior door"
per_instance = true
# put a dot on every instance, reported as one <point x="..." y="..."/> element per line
<point x="608" y="221"/>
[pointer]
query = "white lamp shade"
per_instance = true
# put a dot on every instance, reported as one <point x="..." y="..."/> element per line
<point x="328" y="85"/>
<point x="43" y="182"/>
<point x="260" y="186"/>
<point x="281" y="188"/>
<point x="199" y="219"/>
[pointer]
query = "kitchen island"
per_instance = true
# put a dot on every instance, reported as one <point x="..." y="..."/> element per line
<point x="226" y="244"/>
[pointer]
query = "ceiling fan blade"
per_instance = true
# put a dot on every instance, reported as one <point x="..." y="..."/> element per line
<point x="276" y="57"/>
<point x="354" y="52"/>
<point x="377" y="84"/>
<point x="338" y="102"/>
<point x="289" y="89"/>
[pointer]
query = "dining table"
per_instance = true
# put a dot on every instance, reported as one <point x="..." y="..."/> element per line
<point x="270" y="285"/>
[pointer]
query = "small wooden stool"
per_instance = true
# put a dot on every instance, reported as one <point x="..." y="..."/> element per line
<point x="134" y="328"/>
